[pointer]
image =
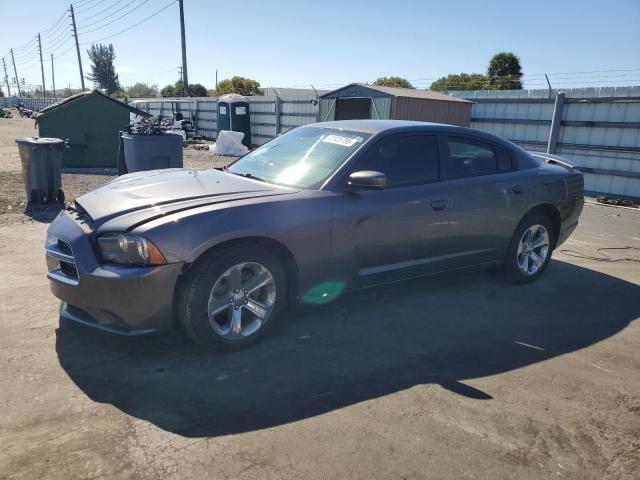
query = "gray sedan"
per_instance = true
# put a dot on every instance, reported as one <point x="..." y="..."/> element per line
<point x="317" y="212"/>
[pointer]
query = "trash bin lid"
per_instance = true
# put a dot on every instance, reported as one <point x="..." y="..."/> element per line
<point x="39" y="141"/>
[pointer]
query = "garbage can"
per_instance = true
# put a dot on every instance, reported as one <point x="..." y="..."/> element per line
<point x="41" y="160"/>
<point x="233" y="115"/>
<point x="152" y="152"/>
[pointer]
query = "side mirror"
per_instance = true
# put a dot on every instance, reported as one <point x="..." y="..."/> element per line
<point x="368" y="179"/>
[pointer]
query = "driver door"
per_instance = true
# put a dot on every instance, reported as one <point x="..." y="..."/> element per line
<point x="398" y="231"/>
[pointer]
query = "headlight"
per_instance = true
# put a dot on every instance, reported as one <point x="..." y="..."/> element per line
<point x="129" y="250"/>
<point x="50" y="241"/>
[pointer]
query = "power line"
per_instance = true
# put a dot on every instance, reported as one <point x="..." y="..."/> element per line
<point x="100" y="13"/>
<point x="114" y="20"/>
<point x="60" y="55"/>
<point x="63" y="35"/>
<point x="80" y="3"/>
<point x="62" y="43"/>
<point x="88" y="7"/>
<point x="55" y="27"/>
<point x="132" y="26"/>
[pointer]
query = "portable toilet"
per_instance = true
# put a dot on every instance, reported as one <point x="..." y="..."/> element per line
<point x="233" y="114"/>
<point x="90" y="123"/>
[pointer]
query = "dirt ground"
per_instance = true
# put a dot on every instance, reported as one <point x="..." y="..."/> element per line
<point x="460" y="376"/>
<point x="76" y="181"/>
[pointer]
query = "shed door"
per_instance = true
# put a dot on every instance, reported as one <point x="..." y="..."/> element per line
<point x="353" y="108"/>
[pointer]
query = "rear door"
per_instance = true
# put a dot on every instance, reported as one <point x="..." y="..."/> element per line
<point x="485" y="199"/>
<point x="378" y="235"/>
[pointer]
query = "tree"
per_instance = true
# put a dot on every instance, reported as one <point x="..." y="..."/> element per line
<point x="142" y="90"/>
<point x="239" y="85"/>
<point x="175" y="90"/>
<point x="393" y="82"/>
<point x="1" y="92"/>
<point x="103" y="73"/>
<point x="504" y="72"/>
<point x="462" y="81"/>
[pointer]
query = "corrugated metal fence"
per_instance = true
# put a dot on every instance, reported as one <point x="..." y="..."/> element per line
<point x="37" y="103"/>
<point x="598" y="129"/>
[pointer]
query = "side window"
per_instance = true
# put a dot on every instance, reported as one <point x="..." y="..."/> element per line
<point x="406" y="160"/>
<point x="470" y="158"/>
<point x="506" y="160"/>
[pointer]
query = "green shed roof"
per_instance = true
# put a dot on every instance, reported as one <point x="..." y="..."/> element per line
<point x="79" y="97"/>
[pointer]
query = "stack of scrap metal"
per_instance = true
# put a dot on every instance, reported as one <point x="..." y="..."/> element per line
<point x="24" y="111"/>
<point x="150" y="126"/>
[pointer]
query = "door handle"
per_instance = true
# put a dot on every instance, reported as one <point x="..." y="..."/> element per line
<point x="517" y="189"/>
<point x="439" y="205"/>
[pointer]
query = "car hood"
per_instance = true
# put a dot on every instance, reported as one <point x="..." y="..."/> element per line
<point x="143" y="196"/>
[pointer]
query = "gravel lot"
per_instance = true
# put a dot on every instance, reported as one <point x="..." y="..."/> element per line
<point x="459" y="376"/>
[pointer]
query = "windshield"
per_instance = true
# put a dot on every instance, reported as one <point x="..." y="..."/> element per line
<point x="303" y="157"/>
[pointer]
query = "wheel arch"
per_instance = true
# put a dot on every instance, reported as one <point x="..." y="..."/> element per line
<point x="552" y="213"/>
<point x="273" y="246"/>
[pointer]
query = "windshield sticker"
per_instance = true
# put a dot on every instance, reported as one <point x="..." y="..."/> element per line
<point x="340" y="140"/>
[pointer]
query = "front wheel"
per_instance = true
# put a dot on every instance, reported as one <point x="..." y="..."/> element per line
<point x="232" y="298"/>
<point x="530" y="250"/>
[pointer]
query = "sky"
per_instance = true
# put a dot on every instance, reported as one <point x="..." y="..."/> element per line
<point x="330" y="43"/>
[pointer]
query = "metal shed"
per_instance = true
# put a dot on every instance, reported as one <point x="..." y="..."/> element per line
<point x="357" y="101"/>
<point x="90" y="123"/>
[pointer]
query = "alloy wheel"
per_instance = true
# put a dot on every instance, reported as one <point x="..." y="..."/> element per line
<point x="533" y="249"/>
<point x="241" y="300"/>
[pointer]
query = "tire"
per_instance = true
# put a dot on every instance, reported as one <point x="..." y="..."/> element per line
<point x="197" y="289"/>
<point x="515" y="257"/>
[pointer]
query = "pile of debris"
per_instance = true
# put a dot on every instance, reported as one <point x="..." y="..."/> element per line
<point x="150" y="126"/>
<point x="5" y="113"/>
<point x="24" y="111"/>
<point x="197" y="146"/>
<point x="619" y="202"/>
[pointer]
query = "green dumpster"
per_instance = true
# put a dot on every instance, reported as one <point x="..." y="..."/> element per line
<point x="233" y="114"/>
<point x="90" y="123"/>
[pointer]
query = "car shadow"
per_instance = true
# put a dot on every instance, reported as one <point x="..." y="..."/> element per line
<point x="442" y="330"/>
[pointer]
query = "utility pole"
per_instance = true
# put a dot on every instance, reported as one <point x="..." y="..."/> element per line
<point x="185" y="78"/>
<point x="44" y="88"/>
<point x="75" y="35"/>
<point x="6" y="77"/>
<point x="216" y="79"/>
<point x="13" y="60"/>
<point x="53" y="77"/>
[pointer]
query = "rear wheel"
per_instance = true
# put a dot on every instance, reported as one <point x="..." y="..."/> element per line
<point x="530" y="249"/>
<point x="232" y="298"/>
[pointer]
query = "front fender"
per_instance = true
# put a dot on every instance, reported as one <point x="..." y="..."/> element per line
<point x="300" y="222"/>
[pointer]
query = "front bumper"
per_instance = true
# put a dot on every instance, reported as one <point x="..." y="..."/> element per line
<point x="115" y="298"/>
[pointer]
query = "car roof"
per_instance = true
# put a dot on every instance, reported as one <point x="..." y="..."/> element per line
<point x="374" y="126"/>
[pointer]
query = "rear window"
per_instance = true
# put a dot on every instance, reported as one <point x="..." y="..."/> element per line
<point x="470" y="158"/>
